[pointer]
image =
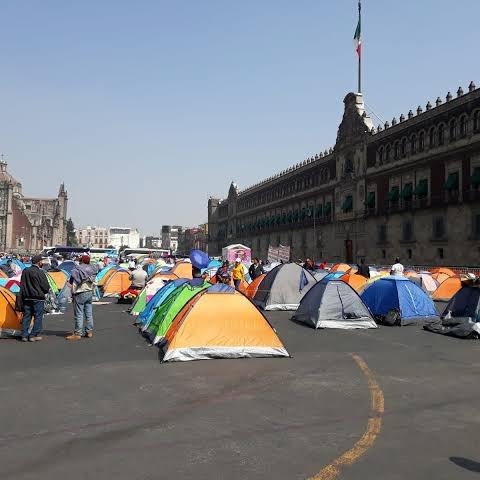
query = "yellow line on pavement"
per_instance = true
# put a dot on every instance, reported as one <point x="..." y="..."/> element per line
<point x="377" y="407"/>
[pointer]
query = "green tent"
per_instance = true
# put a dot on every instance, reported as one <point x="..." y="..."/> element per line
<point x="165" y="315"/>
<point x="139" y="303"/>
<point x="53" y="285"/>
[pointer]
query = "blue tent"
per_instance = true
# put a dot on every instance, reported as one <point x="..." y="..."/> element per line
<point x="148" y="313"/>
<point x="398" y="294"/>
<point x="332" y="276"/>
<point x="67" y="266"/>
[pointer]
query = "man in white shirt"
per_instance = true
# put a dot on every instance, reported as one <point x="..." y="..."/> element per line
<point x="397" y="268"/>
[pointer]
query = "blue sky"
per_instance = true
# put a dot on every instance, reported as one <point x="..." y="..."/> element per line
<point x="145" y="109"/>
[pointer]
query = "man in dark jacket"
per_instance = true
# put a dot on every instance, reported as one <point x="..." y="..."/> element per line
<point x="31" y="299"/>
<point x="363" y="269"/>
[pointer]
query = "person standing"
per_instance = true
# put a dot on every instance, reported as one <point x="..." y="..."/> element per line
<point x="82" y="283"/>
<point x="363" y="269"/>
<point x="238" y="273"/>
<point x="397" y="268"/>
<point x="256" y="269"/>
<point x="31" y="299"/>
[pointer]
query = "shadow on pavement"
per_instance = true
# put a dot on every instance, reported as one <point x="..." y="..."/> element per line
<point x="467" y="464"/>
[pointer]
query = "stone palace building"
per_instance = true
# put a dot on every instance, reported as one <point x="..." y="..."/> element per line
<point x="29" y="224"/>
<point x="408" y="188"/>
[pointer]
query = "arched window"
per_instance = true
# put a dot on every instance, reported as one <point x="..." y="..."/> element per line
<point x="441" y="134"/>
<point x="380" y="155"/>
<point x="421" y="142"/>
<point x="476" y="121"/>
<point x="463" y="126"/>
<point x="396" y="151"/>
<point x="403" y="148"/>
<point x="387" y="153"/>
<point x="413" y="144"/>
<point x="431" y="137"/>
<point x="453" y="130"/>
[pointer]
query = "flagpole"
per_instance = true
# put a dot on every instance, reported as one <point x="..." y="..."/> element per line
<point x="360" y="55"/>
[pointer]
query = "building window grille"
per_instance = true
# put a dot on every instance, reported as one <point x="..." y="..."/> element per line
<point x="441" y="135"/>
<point x="413" y="145"/>
<point x="407" y="231"/>
<point x="380" y="155"/>
<point x="438" y="228"/>
<point x="431" y="135"/>
<point x="396" y="151"/>
<point x="453" y="130"/>
<point x="463" y="126"/>
<point x="403" y="148"/>
<point x="476" y="121"/>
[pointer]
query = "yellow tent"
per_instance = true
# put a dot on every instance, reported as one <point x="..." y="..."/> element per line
<point x="221" y="323"/>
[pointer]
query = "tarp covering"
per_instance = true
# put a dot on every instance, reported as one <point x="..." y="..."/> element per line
<point x="221" y="323"/>
<point x="284" y="287"/>
<point x="333" y="304"/>
<point x="398" y="295"/>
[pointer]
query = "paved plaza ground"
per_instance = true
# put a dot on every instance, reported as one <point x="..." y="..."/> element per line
<point x="108" y="409"/>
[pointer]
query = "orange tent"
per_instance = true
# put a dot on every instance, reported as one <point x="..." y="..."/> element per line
<point x="447" y="289"/>
<point x="117" y="282"/>
<point x="180" y="270"/>
<point x="10" y="323"/>
<point x="106" y="277"/>
<point x="3" y="274"/>
<point x="357" y="282"/>
<point x="235" y="329"/>
<point x="341" y="267"/>
<point x="411" y="273"/>
<point x="253" y="287"/>
<point x="60" y="278"/>
<point x="441" y="274"/>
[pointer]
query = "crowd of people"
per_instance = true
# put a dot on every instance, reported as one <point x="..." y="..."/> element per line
<point x="34" y="287"/>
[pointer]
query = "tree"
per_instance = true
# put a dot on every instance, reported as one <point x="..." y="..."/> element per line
<point x="71" y="236"/>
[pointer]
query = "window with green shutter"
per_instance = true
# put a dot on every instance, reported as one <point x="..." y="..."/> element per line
<point x="452" y="182"/>
<point x="347" y="205"/>
<point x="370" y="202"/>
<point x="394" y="194"/>
<point x="475" y="178"/>
<point x="407" y="191"/>
<point x="422" y="188"/>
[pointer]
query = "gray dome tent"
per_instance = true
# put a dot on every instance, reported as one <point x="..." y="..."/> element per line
<point x="334" y="304"/>
<point x="283" y="287"/>
<point x="461" y="318"/>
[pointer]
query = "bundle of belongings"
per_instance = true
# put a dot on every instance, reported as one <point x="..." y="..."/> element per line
<point x="461" y="318"/>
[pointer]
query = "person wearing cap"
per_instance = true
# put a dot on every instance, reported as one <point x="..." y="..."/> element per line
<point x="82" y="283"/>
<point x="31" y="299"/>
<point x="238" y="273"/>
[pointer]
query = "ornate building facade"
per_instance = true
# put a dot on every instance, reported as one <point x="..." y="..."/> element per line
<point x="29" y="224"/>
<point x="408" y="188"/>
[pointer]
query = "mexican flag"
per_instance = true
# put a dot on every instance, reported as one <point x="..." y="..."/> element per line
<point x="358" y="33"/>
